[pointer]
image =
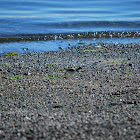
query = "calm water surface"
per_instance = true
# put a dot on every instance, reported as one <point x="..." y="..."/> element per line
<point x="48" y="17"/>
<point x="60" y="16"/>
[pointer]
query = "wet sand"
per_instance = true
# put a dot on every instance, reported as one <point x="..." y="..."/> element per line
<point x="38" y="100"/>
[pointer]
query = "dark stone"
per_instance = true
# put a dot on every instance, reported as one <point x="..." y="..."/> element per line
<point x="57" y="106"/>
<point x="8" y="70"/>
<point x="25" y="73"/>
<point x="135" y="102"/>
<point x="130" y="64"/>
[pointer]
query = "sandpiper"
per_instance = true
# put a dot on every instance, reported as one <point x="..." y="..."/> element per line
<point x="71" y="70"/>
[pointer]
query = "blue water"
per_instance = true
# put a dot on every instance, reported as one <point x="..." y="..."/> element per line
<point x="53" y="45"/>
<point x="60" y="16"/>
<point x="33" y="17"/>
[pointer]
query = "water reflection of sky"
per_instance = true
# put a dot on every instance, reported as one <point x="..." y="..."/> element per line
<point x="45" y="16"/>
<point x="41" y="46"/>
<point x="61" y="10"/>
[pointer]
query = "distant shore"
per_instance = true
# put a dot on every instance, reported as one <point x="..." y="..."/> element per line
<point x="60" y="36"/>
<point x="38" y="100"/>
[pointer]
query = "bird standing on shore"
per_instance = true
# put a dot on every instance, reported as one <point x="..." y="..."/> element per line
<point x="71" y="70"/>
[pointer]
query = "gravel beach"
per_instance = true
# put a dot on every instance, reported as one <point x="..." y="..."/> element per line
<point x="38" y="100"/>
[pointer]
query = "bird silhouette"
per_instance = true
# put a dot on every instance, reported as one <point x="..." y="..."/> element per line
<point x="72" y="70"/>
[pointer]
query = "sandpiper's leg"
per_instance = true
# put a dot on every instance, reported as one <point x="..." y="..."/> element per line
<point x="69" y="75"/>
<point x="66" y="74"/>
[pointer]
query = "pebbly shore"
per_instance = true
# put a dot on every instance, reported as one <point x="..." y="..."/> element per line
<point x="38" y="100"/>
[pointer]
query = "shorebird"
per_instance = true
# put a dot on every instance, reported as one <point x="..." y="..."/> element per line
<point x="72" y="70"/>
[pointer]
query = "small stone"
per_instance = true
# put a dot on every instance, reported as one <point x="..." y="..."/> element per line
<point x="130" y="64"/>
<point x="121" y="100"/>
<point x="23" y="138"/>
<point x="25" y="73"/>
<point x="1" y="132"/>
<point x="135" y="102"/>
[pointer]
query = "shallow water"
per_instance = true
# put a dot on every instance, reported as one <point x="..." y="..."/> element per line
<point x="32" y="18"/>
<point x="54" y="45"/>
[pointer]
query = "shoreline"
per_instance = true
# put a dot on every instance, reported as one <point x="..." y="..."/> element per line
<point x="60" y="36"/>
<point x="56" y="45"/>
<point x="39" y="101"/>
